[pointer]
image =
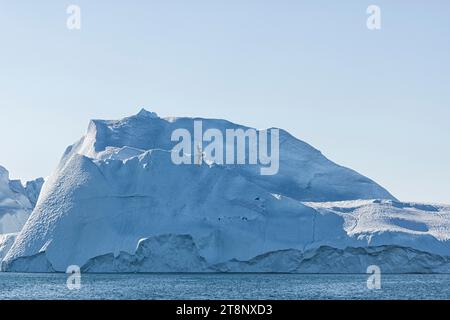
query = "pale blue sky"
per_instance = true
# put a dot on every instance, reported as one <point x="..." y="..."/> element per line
<point x="375" y="101"/>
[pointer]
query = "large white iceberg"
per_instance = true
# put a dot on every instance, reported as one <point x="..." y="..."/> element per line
<point x="117" y="203"/>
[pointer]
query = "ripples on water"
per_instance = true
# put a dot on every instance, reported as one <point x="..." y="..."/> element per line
<point x="224" y="286"/>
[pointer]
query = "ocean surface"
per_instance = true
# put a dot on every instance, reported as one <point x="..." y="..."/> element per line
<point x="224" y="286"/>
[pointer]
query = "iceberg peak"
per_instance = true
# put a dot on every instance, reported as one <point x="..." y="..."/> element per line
<point x="143" y="113"/>
<point x="4" y="174"/>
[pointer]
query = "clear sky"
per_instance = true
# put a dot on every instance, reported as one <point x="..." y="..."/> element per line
<point x="375" y="101"/>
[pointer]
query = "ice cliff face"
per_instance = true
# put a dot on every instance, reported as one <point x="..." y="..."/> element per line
<point x="117" y="203"/>
<point x="16" y="201"/>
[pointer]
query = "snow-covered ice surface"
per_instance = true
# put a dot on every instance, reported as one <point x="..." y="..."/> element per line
<point x="16" y="201"/>
<point x="117" y="203"/>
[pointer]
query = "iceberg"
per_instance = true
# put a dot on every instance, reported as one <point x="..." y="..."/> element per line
<point x="16" y="201"/>
<point x="117" y="203"/>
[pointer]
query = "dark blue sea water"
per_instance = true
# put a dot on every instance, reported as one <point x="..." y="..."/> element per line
<point x="223" y="286"/>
